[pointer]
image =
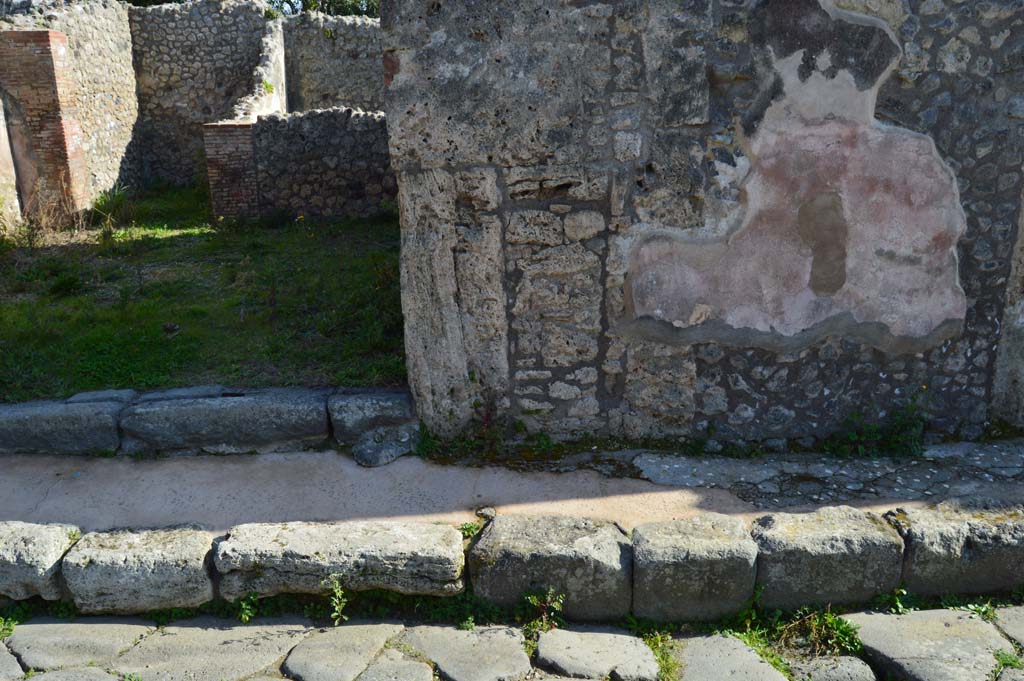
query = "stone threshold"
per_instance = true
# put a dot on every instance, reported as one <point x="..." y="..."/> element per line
<point x="699" y="569"/>
<point x="379" y="425"/>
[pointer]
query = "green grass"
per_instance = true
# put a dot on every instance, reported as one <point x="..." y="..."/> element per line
<point x="170" y="299"/>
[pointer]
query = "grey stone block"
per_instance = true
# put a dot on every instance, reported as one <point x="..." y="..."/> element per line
<point x="381" y="445"/>
<point x="930" y="645"/>
<point x="47" y="643"/>
<point x="1011" y="621"/>
<point x="352" y="414"/>
<point x="700" y="569"/>
<point x="189" y="393"/>
<point x="59" y="428"/>
<point x="339" y="654"/>
<point x="484" y="654"/>
<point x="258" y="420"/>
<point x="954" y="549"/>
<point x="273" y="558"/>
<point x="122" y="396"/>
<point x="832" y="669"/>
<point x="126" y="572"/>
<point x="589" y="561"/>
<point x="30" y="559"/>
<point x="392" y="666"/>
<point x="712" y="658"/>
<point x="833" y="555"/>
<point x="593" y="654"/>
<point x="10" y="670"/>
<point x="80" y="674"/>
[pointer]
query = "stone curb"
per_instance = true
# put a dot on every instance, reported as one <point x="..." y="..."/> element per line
<point x="380" y="425"/>
<point x="700" y="569"/>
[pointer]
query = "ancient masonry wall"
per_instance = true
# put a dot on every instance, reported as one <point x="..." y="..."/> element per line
<point x="334" y="61"/>
<point x="564" y="209"/>
<point x="318" y="164"/>
<point x="269" y="94"/>
<point x="194" y="62"/>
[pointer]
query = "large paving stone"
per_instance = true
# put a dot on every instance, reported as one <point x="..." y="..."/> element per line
<point x="951" y="549"/>
<point x="273" y="558"/>
<point x="930" y="645"/>
<point x="700" y="569"/>
<point x="259" y="420"/>
<point x="30" y="559"/>
<point x="832" y="669"/>
<point x="589" y="561"/>
<point x="595" y="654"/>
<point x="713" y="658"/>
<point x="46" y="643"/>
<point x="393" y="666"/>
<point x="79" y="674"/>
<point x="59" y="427"/>
<point x="10" y="670"/>
<point x="834" y="555"/>
<point x="1011" y="621"/>
<point x="125" y="571"/>
<point x="210" y="649"/>
<point x="339" y="654"/>
<point x="484" y="654"/>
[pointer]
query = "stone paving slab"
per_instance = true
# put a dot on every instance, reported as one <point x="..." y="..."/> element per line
<point x="210" y="649"/>
<point x="596" y="654"/>
<point x="79" y="674"/>
<point x="931" y="645"/>
<point x="339" y="654"/>
<point x="484" y="654"/>
<point x="47" y="643"/>
<point x="10" y="670"/>
<point x="1011" y="622"/>
<point x="393" y="666"/>
<point x="832" y="669"/>
<point x="30" y="558"/>
<point x="714" y="658"/>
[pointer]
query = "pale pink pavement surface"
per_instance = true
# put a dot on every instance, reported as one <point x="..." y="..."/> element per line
<point x="217" y="492"/>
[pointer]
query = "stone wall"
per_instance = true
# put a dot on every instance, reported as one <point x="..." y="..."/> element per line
<point x="194" y="63"/>
<point x="10" y="206"/>
<point x="334" y="61"/>
<point x="731" y="221"/>
<point x="318" y="164"/>
<point x="103" y="81"/>
<point x="269" y="93"/>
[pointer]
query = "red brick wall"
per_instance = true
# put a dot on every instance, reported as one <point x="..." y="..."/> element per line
<point x="37" y="79"/>
<point x="231" y="168"/>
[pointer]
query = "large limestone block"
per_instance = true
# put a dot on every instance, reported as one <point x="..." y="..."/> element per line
<point x="953" y="549"/>
<point x="589" y="561"/>
<point x="59" y="428"/>
<point x="273" y="558"/>
<point x="700" y="569"/>
<point x="52" y="644"/>
<point x="931" y="645"/>
<point x="30" y="559"/>
<point x="125" y="571"/>
<point x="339" y="654"/>
<point x="254" y="421"/>
<point x="834" y="555"/>
<point x="484" y="654"/>
<point x="597" y="655"/>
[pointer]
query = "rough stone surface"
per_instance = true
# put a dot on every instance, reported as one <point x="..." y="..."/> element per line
<point x="484" y="654"/>
<point x="216" y="650"/>
<point x="597" y="655"/>
<point x="833" y="555"/>
<point x="832" y="669"/>
<point x="352" y="414"/>
<point x="693" y="570"/>
<point x="30" y="559"/>
<point x="933" y="645"/>
<point x="393" y="666"/>
<point x="46" y="643"/>
<point x="80" y="674"/>
<point x="122" y="396"/>
<point x="243" y="422"/>
<point x="129" y="571"/>
<point x="588" y="561"/>
<point x="709" y="658"/>
<point x="1011" y="621"/>
<point x="10" y="670"/>
<point x="382" y="445"/>
<point x="961" y="547"/>
<point x="410" y="558"/>
<point x="59" y="428"/>
<point x="339" y="654"/>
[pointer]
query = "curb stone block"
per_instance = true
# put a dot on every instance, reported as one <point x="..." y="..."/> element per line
<point x="700" y="569"/>
<point x="59" y="427"/>
<point x="258" y="420"/>
<point x="834" y="555"/>
<point x="189" y="393"/>
<point x="275" y="558"/>
<point x="126" y="572"/>
<point x="589" y="561"/>
<point x="956" y="549"/>
<point x="30" y="559"/>
<point x="122" y="396"/>
<point x="352" y="414"/>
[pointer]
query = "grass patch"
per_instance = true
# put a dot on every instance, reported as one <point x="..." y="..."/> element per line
<point x="171" y="299"/>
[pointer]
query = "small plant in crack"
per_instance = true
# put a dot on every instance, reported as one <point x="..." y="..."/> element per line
<point x="540" y="612"/>
<point x="338" y="601"/>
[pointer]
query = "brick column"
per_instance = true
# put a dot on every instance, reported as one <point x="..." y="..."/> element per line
<point x="46" y="138"/>
<point x="231" y="168"/>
